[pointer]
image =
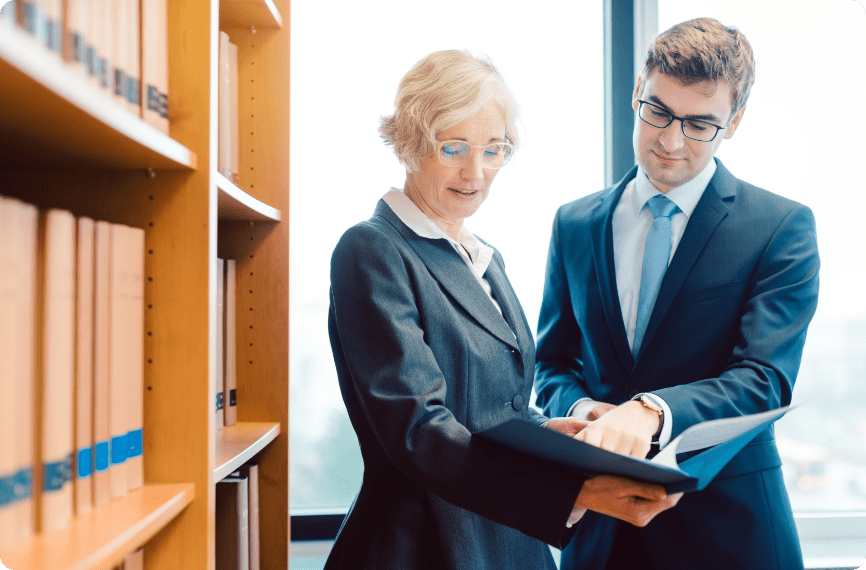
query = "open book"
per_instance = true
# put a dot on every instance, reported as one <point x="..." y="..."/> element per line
<point x="722" y="439"/>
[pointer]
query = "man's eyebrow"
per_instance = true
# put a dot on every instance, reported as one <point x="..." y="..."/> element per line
<point x="707" y="117"/>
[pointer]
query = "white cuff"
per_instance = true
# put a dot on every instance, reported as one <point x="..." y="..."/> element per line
<point x="574" y="406"/>
<point x="576" y="515"/>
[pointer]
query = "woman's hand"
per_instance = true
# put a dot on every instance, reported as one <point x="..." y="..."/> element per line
<point x="630" y="501"/>
<point x="569" y="426"/>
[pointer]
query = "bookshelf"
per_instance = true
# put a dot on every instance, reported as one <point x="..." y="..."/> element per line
<point x="66" y="145"/>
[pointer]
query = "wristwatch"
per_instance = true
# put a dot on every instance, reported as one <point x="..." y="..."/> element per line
<point x="648" y="404"/>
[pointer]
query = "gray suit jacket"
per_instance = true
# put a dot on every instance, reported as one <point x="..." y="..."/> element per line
<point x="424" y="360"/>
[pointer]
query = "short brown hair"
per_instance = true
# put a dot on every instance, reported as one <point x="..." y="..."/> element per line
<point x="440" y="91"/>
<point x="703" y="49"/>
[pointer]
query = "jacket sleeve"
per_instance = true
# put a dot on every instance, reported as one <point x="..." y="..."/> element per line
<point x="763" y="365"/>
<point x="559" y="362"/>
<point x="401" y="392"/>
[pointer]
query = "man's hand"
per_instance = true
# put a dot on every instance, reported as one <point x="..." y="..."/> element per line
<point x="627" y="500"/>
<point x="568" y="426"/>
<point x="626" y="429"/>
<point x="590" y="410"/>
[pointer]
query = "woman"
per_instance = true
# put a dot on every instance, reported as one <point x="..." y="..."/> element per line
<point x="431" y="345"/>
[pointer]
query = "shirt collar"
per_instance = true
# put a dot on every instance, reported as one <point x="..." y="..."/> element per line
<point x="686" y="196"/>
<point x="417" y="221"/>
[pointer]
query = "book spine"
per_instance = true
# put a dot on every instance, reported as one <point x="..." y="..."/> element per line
<point x="154" y="63"/>
<point x="118" y="384"/>
<point x="231" y="380"/>
<point x="84" y="369"/>
<point x="220" y="347"/>
<point x="101" y="363"/>
<point x="135" y="371"/>
<point x="58" y="369"/>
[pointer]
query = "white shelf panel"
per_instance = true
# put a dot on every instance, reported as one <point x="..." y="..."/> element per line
<point x="235" y="204"/>
<point x="239" y="443"/>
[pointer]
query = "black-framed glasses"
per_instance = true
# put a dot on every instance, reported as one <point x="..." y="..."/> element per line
<point x="694" y="129"/>
<point x="456" y="153"/>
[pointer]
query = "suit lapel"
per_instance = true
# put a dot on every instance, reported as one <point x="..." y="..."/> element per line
<point x="601" y="229"/>
<point x="708" y="214"/>
<point x="446" y="266"/>
<point x="505" y="296"/>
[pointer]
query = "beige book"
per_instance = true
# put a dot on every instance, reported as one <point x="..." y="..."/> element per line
<point x="232" y="524"/>
<point x="154" y="63"/>
<point x="230" y="380"/>
<point x="97" y="24"/>
<point x="224" y="133"/>
<point x="84" y="294"/>
<point x="9" y="297"/>
<point x="133" y="56"/>
<point x="26" y="339"/>
<point x="234" y="134"/>
<point x="76" y="37"/>
<point x="118" y="359"/>
<point x="101" y="363"/>
<point x="251" y="472"/>
<point x="219" y="371"/>
<point x="135" y="369"/>
<point x="58" y="369"/>
<point x="119" y="53"/>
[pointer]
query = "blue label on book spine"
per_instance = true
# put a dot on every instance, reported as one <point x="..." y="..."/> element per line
<point x="84" y="462"/>
<point x="24" y="484"/>
<point x="134" y="442"/>
<point x="56" y="474"/>
<point x="219" y="401"/>
<point x="7" y="490"/>
<point x="118" y="449"/>
<point x="101" y="456"/>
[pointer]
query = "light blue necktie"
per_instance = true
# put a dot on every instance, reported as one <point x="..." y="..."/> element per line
<point x="656" y="254"/>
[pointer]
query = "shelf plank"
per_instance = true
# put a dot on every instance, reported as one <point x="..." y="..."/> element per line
<point x="102" y="537"/>
<point x="235" y="204"/>
<point x="246" y="13"/>
<point x="51" y="112"/>
<point x="238" y="444"/>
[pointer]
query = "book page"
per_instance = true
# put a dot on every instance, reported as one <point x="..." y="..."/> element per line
<point x="714" y="432"/>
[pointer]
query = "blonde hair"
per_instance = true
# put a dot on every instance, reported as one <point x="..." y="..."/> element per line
<point x="440" y="91"/>
<point x="705" y="50"/>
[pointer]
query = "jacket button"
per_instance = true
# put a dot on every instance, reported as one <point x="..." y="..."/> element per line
<point x="517" y="402"/>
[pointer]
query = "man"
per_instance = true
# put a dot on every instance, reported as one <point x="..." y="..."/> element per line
<point x="682" y="294"/>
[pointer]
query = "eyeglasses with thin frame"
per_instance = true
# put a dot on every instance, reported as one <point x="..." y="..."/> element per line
<point x="456" y="153"/>
<point x="694" y="129"/>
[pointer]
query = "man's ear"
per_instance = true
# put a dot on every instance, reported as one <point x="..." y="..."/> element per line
<point x="634" y="96"/>
<point x="735" y="122"/>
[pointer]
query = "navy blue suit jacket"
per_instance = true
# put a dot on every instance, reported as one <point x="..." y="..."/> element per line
<point x="424" y="360"/>
<point x="725" y="338"/>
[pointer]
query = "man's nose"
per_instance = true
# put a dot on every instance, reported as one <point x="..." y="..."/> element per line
<point x="672" y="137"/>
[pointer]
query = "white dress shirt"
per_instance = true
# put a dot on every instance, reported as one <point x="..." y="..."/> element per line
<point x="471" y="250"/>
<point x="632" y="220"/>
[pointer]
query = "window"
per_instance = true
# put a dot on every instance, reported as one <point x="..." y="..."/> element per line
<point x="802" y="136"/>
<point x="346" y="63"/>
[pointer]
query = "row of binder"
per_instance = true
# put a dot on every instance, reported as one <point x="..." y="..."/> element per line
<point x="120" y="46"/>
<point x="71" y="366"/>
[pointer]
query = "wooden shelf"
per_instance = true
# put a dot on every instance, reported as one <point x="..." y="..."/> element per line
<point x="246" y="13"/>
<point x="101" y="538"/>
<point x="56" y="115"/>
<point x="238" y="444"/>
<point x="235" y="204"/>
